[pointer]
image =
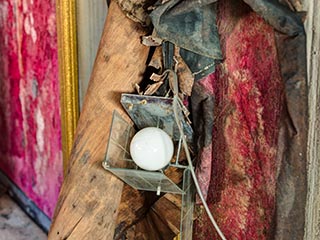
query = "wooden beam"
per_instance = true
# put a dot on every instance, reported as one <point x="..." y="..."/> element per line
<point x="312" y="26"/>
<point x="90" y="196"/>
<point x="136" y="205"/>
<point x="91" y="16"/>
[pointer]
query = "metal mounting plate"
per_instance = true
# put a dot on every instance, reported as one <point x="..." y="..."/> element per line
<point x="152" y="111"/>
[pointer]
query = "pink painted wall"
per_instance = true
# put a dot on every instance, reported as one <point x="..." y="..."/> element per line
<point x="30" y="142"/>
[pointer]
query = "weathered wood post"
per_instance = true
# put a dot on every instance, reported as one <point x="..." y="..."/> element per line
<point x="89" y="198"/>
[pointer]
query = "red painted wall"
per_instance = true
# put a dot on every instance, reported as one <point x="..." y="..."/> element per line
<point x="30" y="142"/>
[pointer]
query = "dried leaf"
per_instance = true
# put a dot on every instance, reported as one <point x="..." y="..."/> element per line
<point x="136" y="10"/>
<point x="151" y="41"/>
<point x="137" y="87"/>
<point x="185" y="76"/>
<point x="156" y="77"/>
<point x="157" y="59"/>
<point x="151" y="89"/>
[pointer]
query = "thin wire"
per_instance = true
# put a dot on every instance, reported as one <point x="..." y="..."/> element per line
<point x="185" y="145"/>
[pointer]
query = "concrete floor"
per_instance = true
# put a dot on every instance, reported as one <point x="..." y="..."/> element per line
<point x="14" y="223"/>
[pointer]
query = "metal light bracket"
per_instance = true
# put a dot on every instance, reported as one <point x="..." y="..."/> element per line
<point x="150" y="111"/>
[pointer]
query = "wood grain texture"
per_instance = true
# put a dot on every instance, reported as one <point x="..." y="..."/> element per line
<point x="136" y="205"/>
<point x="91" y="16"/>
<point x="161" y="222"/>
<point x="312" y="25"/>
<point x="89" y="198"/>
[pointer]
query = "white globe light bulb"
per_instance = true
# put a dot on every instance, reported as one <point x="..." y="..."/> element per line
<point x="151" y="148"/>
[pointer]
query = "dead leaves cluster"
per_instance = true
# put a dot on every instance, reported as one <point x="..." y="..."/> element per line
<point x="184" y="74"/>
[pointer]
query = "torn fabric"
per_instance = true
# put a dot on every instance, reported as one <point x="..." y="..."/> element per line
<point x="194" y="30"/>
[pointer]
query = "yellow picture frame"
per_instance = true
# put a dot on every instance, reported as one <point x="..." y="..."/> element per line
<point x="68" y="74"/>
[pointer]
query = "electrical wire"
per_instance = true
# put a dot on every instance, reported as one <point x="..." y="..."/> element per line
<point x="185" y="146"/>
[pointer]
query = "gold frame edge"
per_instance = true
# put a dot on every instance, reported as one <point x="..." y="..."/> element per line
<point x="68" y="74"/>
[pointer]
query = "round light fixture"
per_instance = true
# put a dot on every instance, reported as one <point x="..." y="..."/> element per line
<point x="151" y="148"/>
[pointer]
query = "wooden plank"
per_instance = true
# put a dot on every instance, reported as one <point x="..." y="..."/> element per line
<point x="133" y="207"/>
<point x="140" y="209"/>
<point x="145" y="230"/>
<point x="89" y="198"/>
<point x="152" y="227"/>
<point x="136" y="204"/>
<point x="312" y="25"/>
<point x="168" y="213"/>
<point x="164" y="232"/>
<point x="91" y="16"/>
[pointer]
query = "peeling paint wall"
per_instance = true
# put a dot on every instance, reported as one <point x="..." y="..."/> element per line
<point x="30" y="145"/>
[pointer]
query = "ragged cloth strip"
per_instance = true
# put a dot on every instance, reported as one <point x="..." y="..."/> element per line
<point x="252" y="144"/>
<point x="266" y="200"/>
<point x="248" y="90"/>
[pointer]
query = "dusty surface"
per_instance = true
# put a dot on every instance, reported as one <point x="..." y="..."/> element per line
<point x="90" y="196"/>
<point x="14" y="223"/>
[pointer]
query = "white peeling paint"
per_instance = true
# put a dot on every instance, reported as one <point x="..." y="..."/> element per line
<point x="29" y="27"/>
<point x="22" y="98"/>
<point x="51" y="28"/>
<point x="40" y="130"/>
<point x="33" y="35"/>
<point x="31" y="18"/>
<point x="25" y="6"/>
<point x="40" y="165"/>
<point x="4" y="13"/>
